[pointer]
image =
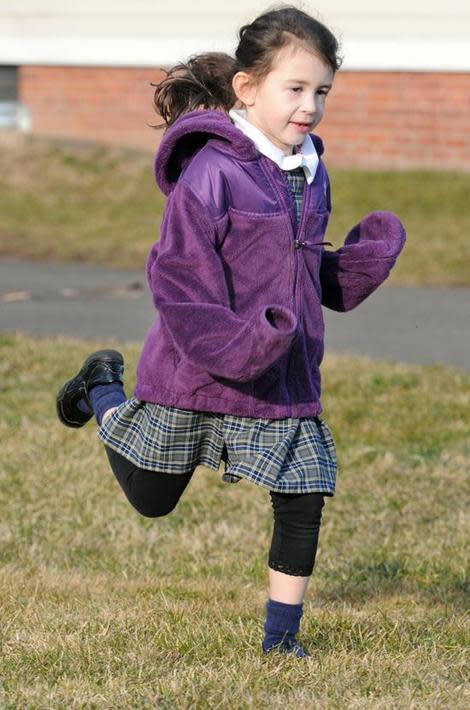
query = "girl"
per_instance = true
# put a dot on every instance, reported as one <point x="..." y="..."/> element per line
<point x="230" y="368"/>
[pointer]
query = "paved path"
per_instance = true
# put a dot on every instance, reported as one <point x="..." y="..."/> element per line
<point x="416" y="325"/>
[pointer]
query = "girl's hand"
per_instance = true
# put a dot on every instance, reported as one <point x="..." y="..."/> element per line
<point x="354" y="271"/>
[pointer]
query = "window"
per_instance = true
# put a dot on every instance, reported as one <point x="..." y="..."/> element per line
<point x="13" y="114"/>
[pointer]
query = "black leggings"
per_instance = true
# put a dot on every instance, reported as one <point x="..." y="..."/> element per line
<point x="297" y="516"/>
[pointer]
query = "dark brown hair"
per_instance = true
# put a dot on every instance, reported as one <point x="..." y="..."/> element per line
<point x="205" y="80"/>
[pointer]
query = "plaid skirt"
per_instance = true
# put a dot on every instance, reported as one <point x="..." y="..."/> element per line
<point x="291" y="455"/>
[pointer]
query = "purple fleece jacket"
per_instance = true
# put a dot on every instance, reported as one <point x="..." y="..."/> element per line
<point x="238" y="285"/>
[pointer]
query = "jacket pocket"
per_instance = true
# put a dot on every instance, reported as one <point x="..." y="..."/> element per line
<point x="191" y="380"/>
<point x="271" y="387"/>
<point x="255" y="257"/>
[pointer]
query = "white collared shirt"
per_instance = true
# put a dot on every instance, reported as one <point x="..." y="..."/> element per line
<point x="306" y="157"/>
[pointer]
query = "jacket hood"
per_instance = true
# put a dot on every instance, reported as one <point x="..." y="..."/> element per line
<point x="189" y="133"/>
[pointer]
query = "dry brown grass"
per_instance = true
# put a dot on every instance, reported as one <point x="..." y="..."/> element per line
<point x="88" y="203"/>
<point x="103" y="609"/>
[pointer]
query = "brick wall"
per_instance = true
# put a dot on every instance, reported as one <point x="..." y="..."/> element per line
<point x="109" y="105"/>
<point x="399" y="120"/>
<point x="373" y="119"/>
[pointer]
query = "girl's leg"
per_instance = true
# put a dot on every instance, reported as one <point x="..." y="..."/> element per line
<point x="97" y="389"/>
<point x="297" y="519"/>
<point x="152" y="493"/>
<point x="286" y="588"/>
<point x="292" y="554"/>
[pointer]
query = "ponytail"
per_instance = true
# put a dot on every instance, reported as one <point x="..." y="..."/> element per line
<point x="203" y="82"/>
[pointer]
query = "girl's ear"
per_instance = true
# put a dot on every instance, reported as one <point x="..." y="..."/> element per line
<point x="244" y="88"/>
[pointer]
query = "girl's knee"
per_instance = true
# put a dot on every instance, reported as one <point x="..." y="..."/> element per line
<point x="303" y="509"/>
<point x="152" y="509"/>
<point x="153" y="494"/>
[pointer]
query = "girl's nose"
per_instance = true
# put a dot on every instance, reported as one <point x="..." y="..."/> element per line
<point x="309" y="102"/>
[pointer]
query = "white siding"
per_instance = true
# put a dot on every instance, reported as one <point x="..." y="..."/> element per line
<point x="427" y="35"/>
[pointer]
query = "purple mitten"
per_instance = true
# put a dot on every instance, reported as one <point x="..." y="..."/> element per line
<point x="354" y="271"/>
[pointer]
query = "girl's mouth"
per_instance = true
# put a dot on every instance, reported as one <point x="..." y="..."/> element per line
<point x="302" y="127"/>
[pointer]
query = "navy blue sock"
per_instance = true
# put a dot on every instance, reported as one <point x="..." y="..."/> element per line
<point x="103" y="397"/>
<point x="282" y="623"/>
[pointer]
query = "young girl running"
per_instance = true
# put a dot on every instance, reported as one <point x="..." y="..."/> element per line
<point x="230" y="368"/>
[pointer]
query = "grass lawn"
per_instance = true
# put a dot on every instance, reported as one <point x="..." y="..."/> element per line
<point x="100" y="608"/>
<point x="101" y="205"/>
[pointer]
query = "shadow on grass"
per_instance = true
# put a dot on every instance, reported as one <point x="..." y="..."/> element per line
<point x="392" y="577"/>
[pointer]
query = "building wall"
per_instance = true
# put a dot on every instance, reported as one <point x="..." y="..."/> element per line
<point x="401" y="99"/>
<point x="109" y="105"/>
<point x="373" y="119"/>
<point x="360" y="19"/>
<point x="399" y="120"/>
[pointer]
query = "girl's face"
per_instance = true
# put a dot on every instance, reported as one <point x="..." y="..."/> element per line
<point x="289" y="101"/>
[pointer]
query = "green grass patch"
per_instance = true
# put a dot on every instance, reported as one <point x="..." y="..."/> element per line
<point x="101" y="205"/>
<point x="101" y="608"/>
<point x="78" y="203"/>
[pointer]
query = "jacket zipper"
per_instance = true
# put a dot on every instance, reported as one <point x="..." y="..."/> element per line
<point x="297" y="244"/>
<point x="300" y="244"/>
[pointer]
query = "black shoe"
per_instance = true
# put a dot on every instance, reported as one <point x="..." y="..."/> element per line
<point x="101" y="368"/>
<point x="291" y="647"/>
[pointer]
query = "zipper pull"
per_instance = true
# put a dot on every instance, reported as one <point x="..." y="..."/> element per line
<point x="299" y="244"/>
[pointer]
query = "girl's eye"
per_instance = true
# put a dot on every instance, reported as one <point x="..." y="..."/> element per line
<point x="322" y="92"/>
